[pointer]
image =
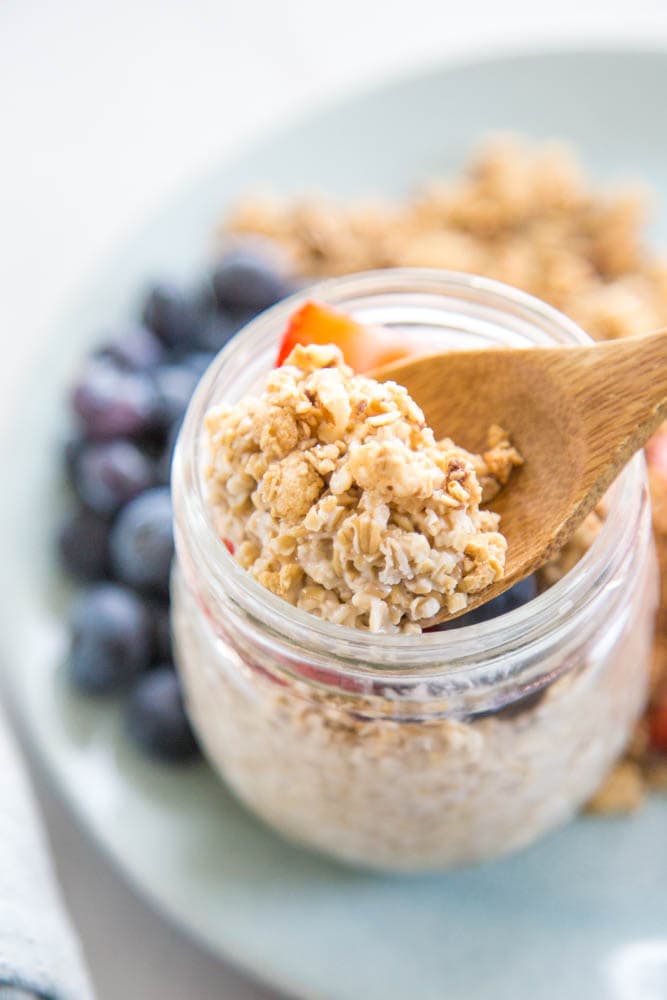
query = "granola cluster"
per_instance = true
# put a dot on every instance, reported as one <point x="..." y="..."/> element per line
<point x="337" y="497"/>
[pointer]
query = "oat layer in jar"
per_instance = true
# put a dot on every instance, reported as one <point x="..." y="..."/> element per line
<point x="411" y="752"/>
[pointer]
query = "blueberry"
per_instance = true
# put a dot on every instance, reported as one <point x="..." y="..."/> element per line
<point x="244" y="316"/>
<point x="171" y="314"/>
<point x="175" y="385"/>
<point x="215" y="331"/>
<point x="248" y="279"/>
<point x="142" y="542"/>
<point x="113" y="403"/>
<point x="214" y="325"/>
<point x="199" y="361"/>
<point x="110" y="639"/>
<point x="167" y="457"/>
<point x="135" y="347"/>
<point x="509" y="600"/>
<point x="161" y="625"/>
<point x="83" y="544"/>
<point x="156" y="718"/>
<point x="151" y="444"/>
<point x="110" y="473"/>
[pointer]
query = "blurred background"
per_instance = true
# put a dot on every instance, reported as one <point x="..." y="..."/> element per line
<point x="106" y="109"/>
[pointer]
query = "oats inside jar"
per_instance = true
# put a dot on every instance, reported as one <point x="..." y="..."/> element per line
<point x="335" y="495"/>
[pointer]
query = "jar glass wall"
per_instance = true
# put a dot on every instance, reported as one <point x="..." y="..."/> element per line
<point x="411" y="752"/>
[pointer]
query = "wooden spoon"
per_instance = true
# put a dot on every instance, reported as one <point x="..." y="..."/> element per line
<point x="576" y="414"/>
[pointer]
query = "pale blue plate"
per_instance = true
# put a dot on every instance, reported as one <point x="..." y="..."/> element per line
<point x="582" y="914"/>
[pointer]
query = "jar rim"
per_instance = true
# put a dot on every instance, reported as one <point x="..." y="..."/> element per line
<point x="465" y="651"/>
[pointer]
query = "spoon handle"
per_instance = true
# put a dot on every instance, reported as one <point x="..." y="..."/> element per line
<point x="603" y="402"/>
<point x="621" y="391"/>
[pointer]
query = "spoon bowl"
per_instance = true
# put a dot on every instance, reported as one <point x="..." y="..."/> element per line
<point x="576" y="414"/>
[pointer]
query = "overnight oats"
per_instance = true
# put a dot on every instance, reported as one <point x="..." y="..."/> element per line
<point x="320" y="526"/>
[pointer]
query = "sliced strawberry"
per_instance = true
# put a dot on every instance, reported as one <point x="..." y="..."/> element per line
<point x="363" y="347"/>
<point x="229" y="546"/>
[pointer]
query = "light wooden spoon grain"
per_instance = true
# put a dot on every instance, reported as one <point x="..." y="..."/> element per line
<point x="576" y="414"/>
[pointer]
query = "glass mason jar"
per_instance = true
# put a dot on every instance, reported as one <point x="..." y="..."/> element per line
<point x="399" y="751"/>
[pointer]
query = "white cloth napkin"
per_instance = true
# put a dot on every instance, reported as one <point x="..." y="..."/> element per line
<point x="39" y="953"/>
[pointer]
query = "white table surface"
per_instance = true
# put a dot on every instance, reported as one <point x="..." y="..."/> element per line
<point x="105" y="108"/>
